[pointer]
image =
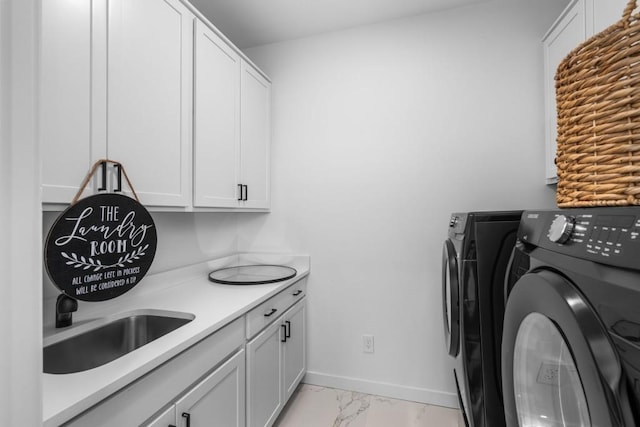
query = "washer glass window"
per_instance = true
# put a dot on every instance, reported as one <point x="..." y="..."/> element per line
<point x="547" y="387"/>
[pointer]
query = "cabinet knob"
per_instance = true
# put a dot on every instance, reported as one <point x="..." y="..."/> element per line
<point x="187" y="417"/>
<point x="103" y="165"/>
<point x="243" y="191"/>
<point x="118" y="167"/>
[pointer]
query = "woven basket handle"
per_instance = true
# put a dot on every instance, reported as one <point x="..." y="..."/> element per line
<point x="628" y="10"/>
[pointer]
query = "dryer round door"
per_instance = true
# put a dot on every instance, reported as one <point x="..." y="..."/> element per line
<point x="450" y="298"/>
<point x="559" y="367"/>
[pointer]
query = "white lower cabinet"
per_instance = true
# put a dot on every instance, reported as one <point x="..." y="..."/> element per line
<point x="167" y="418"/>
<point x="178" y="383"/>
<point x="241" y="375"/>
<point x="294" y="354"/>
<point x="218" y="400"/>
<point x="264" y="377"/>
<point x="276" y="363"/>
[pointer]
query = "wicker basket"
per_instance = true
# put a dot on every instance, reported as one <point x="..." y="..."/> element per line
<point x="598" y="105"/>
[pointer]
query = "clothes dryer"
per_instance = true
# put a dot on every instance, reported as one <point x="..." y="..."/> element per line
<point x="571" y="342"/>
<point x="475" y="259"/>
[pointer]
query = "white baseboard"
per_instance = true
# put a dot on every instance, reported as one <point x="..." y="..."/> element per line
<point x="414" y="394"/>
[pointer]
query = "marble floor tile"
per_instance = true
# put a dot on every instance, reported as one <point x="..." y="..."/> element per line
<point x="313" y="406"/>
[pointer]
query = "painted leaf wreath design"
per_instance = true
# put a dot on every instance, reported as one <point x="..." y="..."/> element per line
<point x="88" y="263"/>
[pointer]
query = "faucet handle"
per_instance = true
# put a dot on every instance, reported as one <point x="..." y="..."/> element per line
<point x="65" y="305"/>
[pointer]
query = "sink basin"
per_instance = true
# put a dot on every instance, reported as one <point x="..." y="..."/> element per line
<point x="108" y="342"/>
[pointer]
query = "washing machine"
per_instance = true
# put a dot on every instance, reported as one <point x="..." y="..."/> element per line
<point x="571" y="338"/>
<point x="475" y="258"/>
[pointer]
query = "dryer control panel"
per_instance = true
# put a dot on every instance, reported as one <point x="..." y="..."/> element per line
<point x="605" y="235"/>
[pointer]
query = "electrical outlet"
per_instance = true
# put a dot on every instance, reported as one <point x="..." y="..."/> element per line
<point x="367" y="343"/>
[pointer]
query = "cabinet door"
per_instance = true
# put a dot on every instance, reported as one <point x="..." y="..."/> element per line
<point x="218" y="400"/>
<point x="264" y="376"/>
<point x="149" y="99"/>
<point x="606" y="13"/>
<point x="166" y="419"/>
<point x="294" y="348"/>
<point x="566" y="34"/>
<point x="255" y="133"/>
<point x="216" y="121"/>
<point x="73" y="97"/>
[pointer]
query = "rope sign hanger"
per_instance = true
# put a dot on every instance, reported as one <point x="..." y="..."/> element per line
<point x="103" y="163"/>
<point x="102" y="245"/>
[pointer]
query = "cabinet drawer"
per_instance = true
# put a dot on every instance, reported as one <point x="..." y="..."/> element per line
<point x="271" y="309"/>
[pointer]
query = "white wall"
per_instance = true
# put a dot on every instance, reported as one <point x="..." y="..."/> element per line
<point x="379" y="133"/>
<point x="20" y="217"/>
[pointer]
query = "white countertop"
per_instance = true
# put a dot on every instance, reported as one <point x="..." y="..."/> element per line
<point x="186" y="290"/>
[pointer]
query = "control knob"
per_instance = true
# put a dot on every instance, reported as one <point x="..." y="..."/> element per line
<point x="561" y="229"/>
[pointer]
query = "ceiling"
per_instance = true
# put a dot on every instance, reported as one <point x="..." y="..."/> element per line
<point x="249" y="23"/>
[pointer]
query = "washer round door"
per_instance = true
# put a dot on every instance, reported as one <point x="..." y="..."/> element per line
<point x="559" y="367"/>
<point x="450" y="298"/>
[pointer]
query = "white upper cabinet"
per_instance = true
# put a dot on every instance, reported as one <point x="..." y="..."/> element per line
<point x="216" y="138"/>
<point x="73" y="100"/>
<point x="149" y="81"/>
<point x="606" y="13"/>
<point x="255" y="134"/>
<point x="116" y="83"/>
<point x="232" y="129"/>
<point x="148" y="84"/>
<point x="568" y="32"/>
<point x="580" y="20"/>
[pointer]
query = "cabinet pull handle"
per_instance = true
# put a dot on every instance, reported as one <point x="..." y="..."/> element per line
<point x="284" y="338"/>
<point x="298" y="292"/>
<point x="246" y="193"/>
<point x="240" y="192"/>
<point x="287" y="330"/>
<point x="103" y="165"/>
<point x="187" y="417"/>
<point x="171" y="425"/>
<point x="273" y="310"/>
<point x="118" y="167"/>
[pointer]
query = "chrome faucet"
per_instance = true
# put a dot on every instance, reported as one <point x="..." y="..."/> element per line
<point x="65" y="306"/>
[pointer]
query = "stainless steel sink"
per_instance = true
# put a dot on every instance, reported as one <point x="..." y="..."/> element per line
<point x="108" y="342"/>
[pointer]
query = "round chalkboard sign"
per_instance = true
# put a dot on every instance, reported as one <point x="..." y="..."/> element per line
<point x="100" y="247"/>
